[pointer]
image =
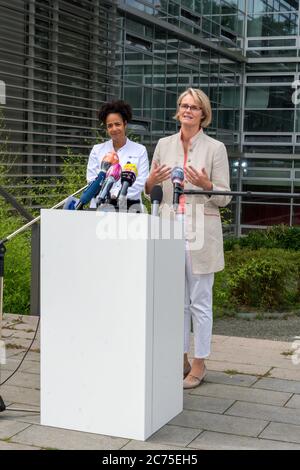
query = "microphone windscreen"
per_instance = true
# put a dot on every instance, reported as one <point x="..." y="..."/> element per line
<point x="129" y="173"/>
<point x="156" y="194"/>
<point x="114" y="171"/>
<point x="130" y="167"/>
<point x="111" y="158"/>
<point x="70" y="203"/>
<point x="177" y="175"/>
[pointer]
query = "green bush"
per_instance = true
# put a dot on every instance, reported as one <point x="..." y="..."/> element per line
<point x="16" y="292"/>
<point x="263" y="279"/>
<point x="17" y="275"/>
<point x="278" y="236"/>
<point x="17" y="259"/>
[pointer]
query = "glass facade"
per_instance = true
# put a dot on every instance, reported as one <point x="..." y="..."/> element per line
<point x="60" y="59"/>
<point x="270" y="124"/>
<point x="57" y="61"/>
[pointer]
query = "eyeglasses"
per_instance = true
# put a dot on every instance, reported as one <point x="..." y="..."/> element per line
<point x="192" y="107"/>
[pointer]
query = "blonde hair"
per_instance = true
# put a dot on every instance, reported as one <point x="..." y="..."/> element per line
<point x="202" y="99"/>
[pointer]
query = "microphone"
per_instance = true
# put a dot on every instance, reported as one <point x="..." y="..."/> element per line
<point x="95" y="186"/>
<point x="71" y="203"/>
<point x="177" y="178"/>
<point x="156" y="196"/>
<point x="111" y="158"/>
<point x="112" y="176"/>
<point x="128" y="177"/>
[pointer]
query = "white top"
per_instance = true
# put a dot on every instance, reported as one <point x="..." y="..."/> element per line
<point x="131" y="152"/>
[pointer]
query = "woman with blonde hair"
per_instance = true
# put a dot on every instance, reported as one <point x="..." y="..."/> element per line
<point x="205" y="165"/>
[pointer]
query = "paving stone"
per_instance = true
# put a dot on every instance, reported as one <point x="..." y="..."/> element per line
<point x="219" y="339"/>
<point x="32" y="367"/>
<point x="252" y="369"/>
<point x="294" y="402"/>
<point x="282" y="432"/>
<point x="221" y="423"/>
<point x="54" y="438"/>
<point x="11" y="353"/>
<point x="267" y="383"/>
<point x="31" y="356"/>
<point x="203" y="403"/>
<point x="9" y="446"/>
<point x="10" y="428"/>
<point x="246" y="357"/>
<point x="15" y="319"/>
<point x="7" y="334"/>
<point x="220" y="441"/>
<point x="242" y="380"/>
<point x="288" y="374"/>
<point x="235" y="392"/>
<point x="141" y="445"/>
<point x="174" y="435"/>
<point x="12" y="363"/>
<point x="31" y="418"/>
<point x="21" y="416"/>
<point x="266" y="412"/>
<point x="24" y="379"/>
<point x="18" y="394"/>
<point x="256" y="344"/>
<point x="17" y="343"/>
<point x="201" y="425"/>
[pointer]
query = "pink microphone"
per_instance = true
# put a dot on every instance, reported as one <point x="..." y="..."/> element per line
<point x="112" y="176"/>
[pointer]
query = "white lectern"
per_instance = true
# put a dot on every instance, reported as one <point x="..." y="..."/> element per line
<point x="112" y="302"/>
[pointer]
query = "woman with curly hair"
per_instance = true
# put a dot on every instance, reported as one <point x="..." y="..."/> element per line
<point x="115" y="116"/>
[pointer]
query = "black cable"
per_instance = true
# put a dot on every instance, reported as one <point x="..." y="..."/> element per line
<point x="9" y="377"/>
<point x="3" y="407"/>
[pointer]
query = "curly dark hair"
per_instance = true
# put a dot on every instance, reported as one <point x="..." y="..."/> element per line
<point x="119" y="107"/>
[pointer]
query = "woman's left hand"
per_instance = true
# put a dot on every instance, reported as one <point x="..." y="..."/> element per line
<point x="198" y="178"/>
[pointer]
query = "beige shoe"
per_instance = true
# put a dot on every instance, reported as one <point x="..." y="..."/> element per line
<point x="186" y="370"/>
<point x="191" y="381"/>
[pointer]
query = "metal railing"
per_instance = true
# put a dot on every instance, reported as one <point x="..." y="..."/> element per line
<point x="35" y="250"/>
<point x="35" y="237"/>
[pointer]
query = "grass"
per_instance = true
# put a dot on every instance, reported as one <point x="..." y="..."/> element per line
<point x="231" y="372"/>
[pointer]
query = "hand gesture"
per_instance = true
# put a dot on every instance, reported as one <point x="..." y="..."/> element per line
<point x="198" y="178"/>
<point x="159" y="173"/>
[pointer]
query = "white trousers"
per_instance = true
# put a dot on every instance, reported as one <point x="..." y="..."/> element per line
<point x="198" y="308"/>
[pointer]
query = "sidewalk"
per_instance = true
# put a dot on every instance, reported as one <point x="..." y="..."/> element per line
<point x="250" y="400"/>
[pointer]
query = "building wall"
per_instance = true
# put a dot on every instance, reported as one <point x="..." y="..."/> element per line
<point x="270" y="138"/>
<point x="57" y="61"/>
<point x="60" y="59"/>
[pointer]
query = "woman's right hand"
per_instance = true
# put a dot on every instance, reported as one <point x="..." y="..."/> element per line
<point x="158" y="174"/>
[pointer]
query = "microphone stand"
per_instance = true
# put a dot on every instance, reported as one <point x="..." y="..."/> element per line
<point x="178" y="191"/>
<point x="200" y="192"/>
<point x="3" y="250"/>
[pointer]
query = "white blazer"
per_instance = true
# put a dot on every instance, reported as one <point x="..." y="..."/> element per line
<point x="204" y="152"/>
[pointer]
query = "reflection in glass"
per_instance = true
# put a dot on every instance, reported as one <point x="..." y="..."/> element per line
<point x="269" y="121"/>
<point x="263" y="214"/>
<point x="272" y="25"/>
<point x="269" y="97"/>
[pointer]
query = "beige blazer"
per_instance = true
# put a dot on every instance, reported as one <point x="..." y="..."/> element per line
<point x="203" y="220"/>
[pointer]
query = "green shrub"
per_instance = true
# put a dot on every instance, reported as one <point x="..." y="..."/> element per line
<point x="278" y="236"/>
<point x="264" y="279"/>
<point x="16" y="292"/>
